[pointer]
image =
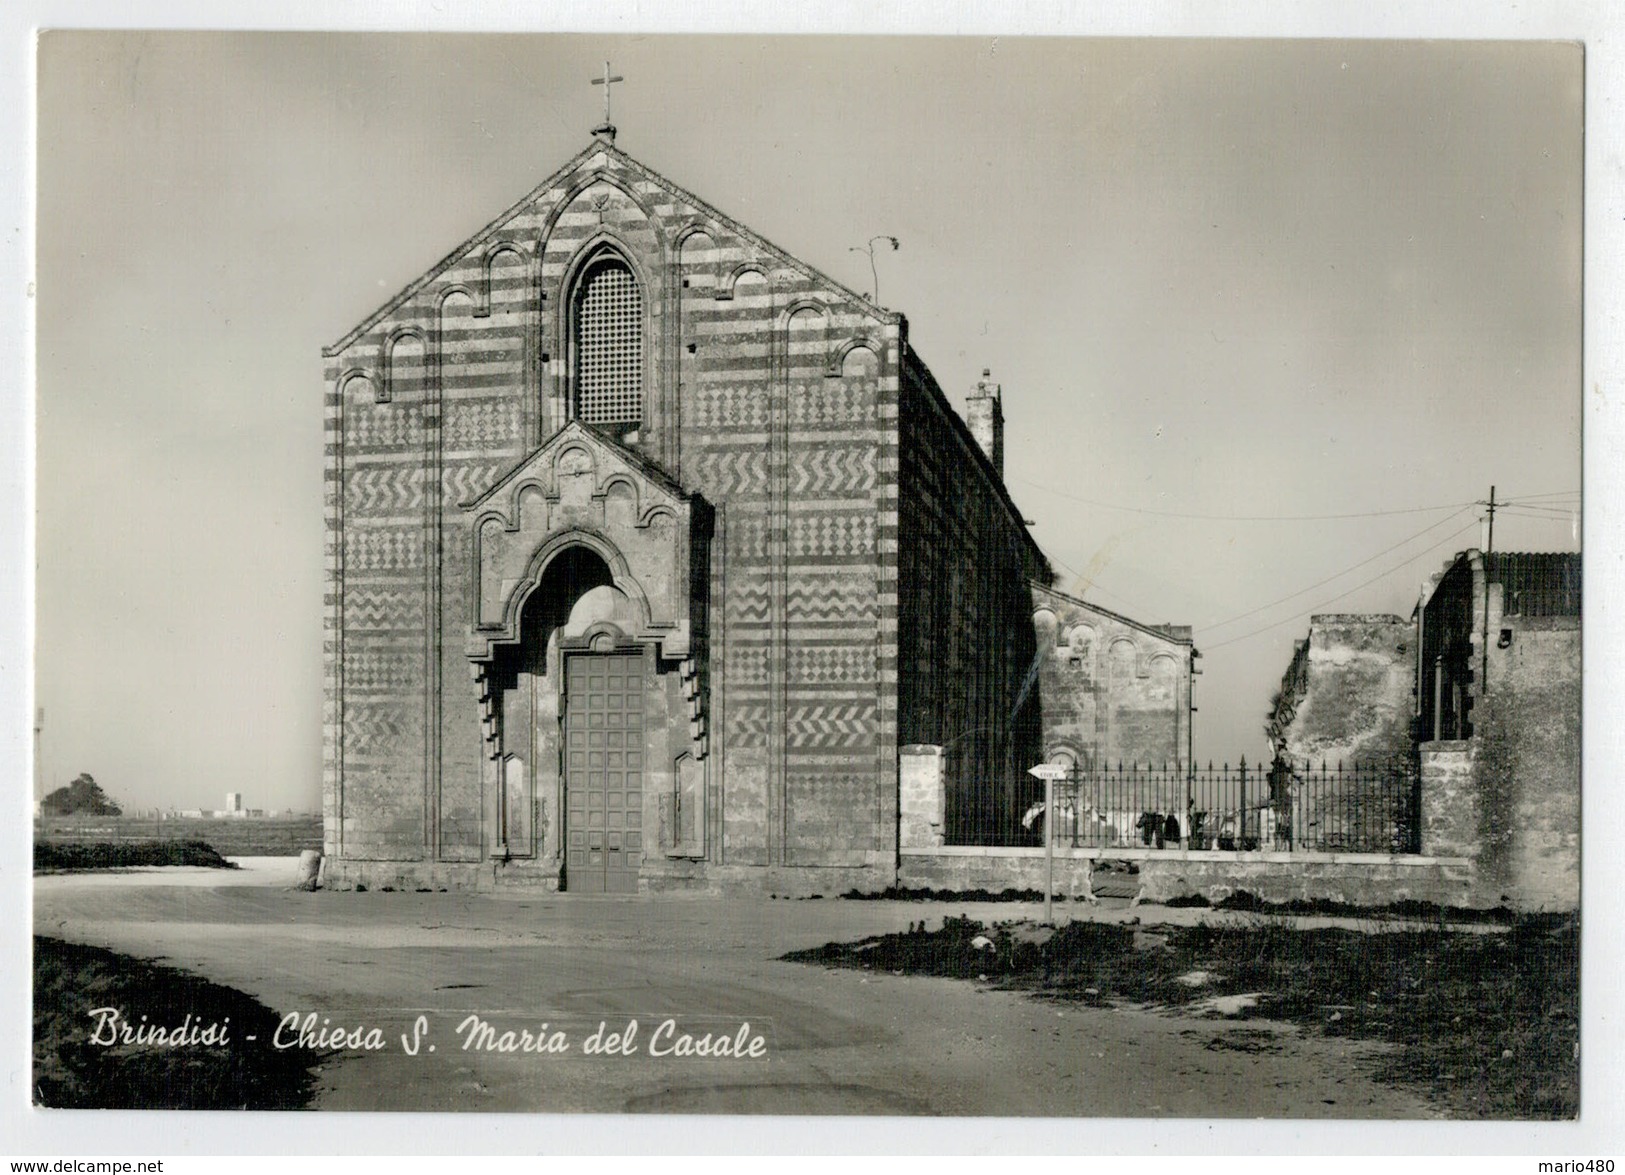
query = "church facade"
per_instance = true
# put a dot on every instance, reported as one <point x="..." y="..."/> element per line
<point x="648" y="547"/>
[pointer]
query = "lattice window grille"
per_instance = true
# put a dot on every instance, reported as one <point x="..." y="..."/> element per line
<point x="609" y="374"/>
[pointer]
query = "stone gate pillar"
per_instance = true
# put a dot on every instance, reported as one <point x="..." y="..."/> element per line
<point x="1450" y="800"/>
<point x="919" y="782"/>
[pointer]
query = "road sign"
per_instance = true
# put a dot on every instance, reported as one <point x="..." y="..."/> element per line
<point x="1049" y="773"/>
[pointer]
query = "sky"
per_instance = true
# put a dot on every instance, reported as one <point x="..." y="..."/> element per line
<point x="1270" y="318"/>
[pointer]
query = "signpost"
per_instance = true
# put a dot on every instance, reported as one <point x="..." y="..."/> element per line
<point x="1049" y="773"/>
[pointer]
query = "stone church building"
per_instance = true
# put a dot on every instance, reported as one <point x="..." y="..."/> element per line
<point x="649" y="547"/>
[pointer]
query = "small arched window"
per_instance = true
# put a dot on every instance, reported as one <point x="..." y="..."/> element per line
<point x="608" y="326"/>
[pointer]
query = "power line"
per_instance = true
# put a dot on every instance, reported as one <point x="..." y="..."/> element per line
<point x="1092" y="585"/>
<point x="1239" y="517"/>
<point x="1554" y="494"/>
<point x="1336" y="575"/>
<point x="1342" y="595"/>
<point x="1534" y="511"/>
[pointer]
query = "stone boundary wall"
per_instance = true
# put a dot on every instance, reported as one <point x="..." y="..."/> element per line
<point x="405" y="876"/>
<point x="1363" y="879"/>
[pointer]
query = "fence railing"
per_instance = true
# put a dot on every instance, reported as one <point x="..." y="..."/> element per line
<point x="1359" y="808"/>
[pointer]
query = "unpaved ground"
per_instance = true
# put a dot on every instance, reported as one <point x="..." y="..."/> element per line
<point x="837" y="1041"/>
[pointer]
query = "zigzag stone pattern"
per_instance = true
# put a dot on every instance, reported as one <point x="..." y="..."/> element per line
<point x="747" y="724"/>
<point x="384" y="489"/>
<point x="849" y="725"/>
<point x="467" y="480"/>
<point x="729" y="475"/>
<point x="384" y="608"/>
<point x="830" y="470"/>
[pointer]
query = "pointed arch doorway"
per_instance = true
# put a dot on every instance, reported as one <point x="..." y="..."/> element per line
<point x="573" y="728"/>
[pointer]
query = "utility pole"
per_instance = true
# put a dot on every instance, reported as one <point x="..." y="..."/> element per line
<point x="1484" y="635"/>
<point x="1190" y="739"/>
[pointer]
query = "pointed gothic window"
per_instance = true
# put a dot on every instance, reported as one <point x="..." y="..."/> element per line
<point x="609" y="348"/>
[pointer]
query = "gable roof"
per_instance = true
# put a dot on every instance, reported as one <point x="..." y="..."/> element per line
<point x="1175" y="634"/>
<point x="576" y="163"/>
<point x="575" y="430"/>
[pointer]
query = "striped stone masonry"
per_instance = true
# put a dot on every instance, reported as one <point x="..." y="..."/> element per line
<point x="835" y="561"/>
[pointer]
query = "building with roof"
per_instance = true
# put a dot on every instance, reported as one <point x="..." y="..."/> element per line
<point x="648" y="547"/>
<point x="1498" y="721"/>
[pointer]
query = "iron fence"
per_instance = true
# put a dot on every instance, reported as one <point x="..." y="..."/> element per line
<point x="1290" y="807"/>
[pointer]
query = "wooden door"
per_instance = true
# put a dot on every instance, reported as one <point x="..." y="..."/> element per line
<point x="603" y="766"/>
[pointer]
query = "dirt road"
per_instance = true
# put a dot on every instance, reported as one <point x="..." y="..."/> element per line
<point x="839" y="1042"/>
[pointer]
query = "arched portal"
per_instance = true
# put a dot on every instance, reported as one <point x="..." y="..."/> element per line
<point x="573" y="699"/>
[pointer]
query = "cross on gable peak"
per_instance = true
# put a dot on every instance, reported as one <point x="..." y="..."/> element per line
<point x="606" y="130"/>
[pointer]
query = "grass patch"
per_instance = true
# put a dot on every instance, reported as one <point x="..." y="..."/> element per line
<point x="72" y="1073"/>
<point x="1410" y="910"/>
<point x="59" y="857"/>
<point x="248" y="836"/>
<point x="897" y="893"/>
<point x="1486" y="1024"/>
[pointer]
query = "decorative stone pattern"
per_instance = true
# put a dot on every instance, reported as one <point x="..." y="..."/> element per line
<point x="769" y="395"/>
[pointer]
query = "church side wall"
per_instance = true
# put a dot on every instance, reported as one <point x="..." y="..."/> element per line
<point x="783" y="430"/>
<point x="965" y="634"/>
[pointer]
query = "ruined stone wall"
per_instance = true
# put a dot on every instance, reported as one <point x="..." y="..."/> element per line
<point x="965" y="634"/>
<point x="1352" y="698"/>
<point x="1347" y="699"/>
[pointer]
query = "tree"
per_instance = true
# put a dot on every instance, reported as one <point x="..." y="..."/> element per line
<point x="85" y="795"/>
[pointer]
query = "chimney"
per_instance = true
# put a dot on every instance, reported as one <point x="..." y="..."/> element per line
<point x="984" y="412"/>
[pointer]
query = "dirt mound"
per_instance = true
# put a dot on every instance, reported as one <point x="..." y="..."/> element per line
<point x="73" y="1072"/>
<point x="68" y="858"/>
